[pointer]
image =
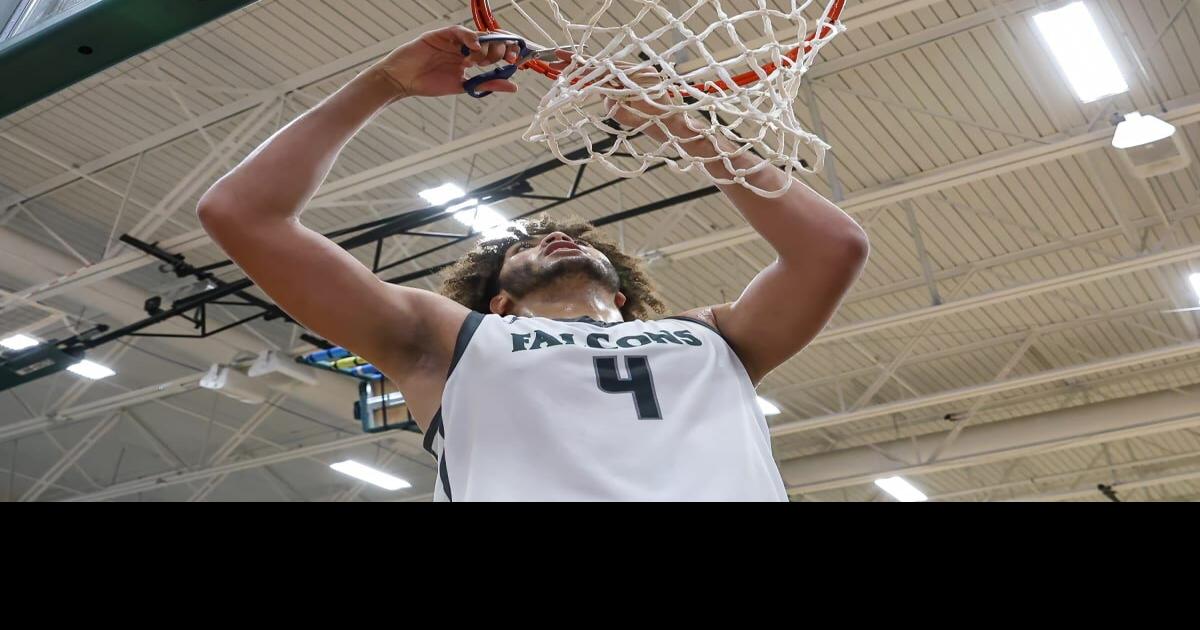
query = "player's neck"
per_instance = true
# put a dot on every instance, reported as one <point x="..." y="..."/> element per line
<point x="591" y="301"/>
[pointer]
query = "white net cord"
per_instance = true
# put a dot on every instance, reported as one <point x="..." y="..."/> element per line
<point x="640" y="58"/>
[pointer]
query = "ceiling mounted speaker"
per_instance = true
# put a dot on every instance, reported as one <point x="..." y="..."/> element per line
<point x="235" y="385"/>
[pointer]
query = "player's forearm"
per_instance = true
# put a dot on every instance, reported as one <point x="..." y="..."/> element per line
<point x="280" y="177"/>
<point x="800" y="225"/>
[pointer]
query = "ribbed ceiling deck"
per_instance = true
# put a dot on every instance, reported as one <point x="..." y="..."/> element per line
<point x="922" y="101"/>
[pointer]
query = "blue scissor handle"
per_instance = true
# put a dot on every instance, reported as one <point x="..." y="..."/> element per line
<point x="471" y="86"/>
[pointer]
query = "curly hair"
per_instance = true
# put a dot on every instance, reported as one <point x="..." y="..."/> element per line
<point x="475" y="279"/>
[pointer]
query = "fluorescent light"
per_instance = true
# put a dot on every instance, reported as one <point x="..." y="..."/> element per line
<point x="1076" y="43"/>
<point x="89" y="369"/>
<point x="1137" y="130"/>
<point x="768" y="407"/>
<point x="370" y="475"/>
<point x="901" y="490"/>
<point x="19" y="342"/>
<point x="442" y="194"/>
<point x="1194" y="279"/>
<point x="481" y="218"/>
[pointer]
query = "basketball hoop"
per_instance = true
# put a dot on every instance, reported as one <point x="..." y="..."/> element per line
<point x="737" y="72"/>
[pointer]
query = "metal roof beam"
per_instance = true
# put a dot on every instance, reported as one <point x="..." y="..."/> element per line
<point x="1180" y="112"/>
<point x="1098" y="423"/>
<point x="1041" y="378"/>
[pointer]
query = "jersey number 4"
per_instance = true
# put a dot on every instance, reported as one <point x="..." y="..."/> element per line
<point x="640" y="383"/>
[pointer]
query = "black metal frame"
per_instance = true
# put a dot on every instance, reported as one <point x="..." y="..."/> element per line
<point x="193" y="308"/>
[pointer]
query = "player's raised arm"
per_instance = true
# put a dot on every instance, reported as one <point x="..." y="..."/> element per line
<point x="253" y="213"/>
<point x="821" y="253"/>
<point x="821" y="250"/>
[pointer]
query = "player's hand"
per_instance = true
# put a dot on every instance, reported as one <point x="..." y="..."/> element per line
<point x="433" y="64"/>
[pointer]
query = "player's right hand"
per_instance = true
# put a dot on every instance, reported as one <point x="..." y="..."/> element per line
<point x="433" y="64"/>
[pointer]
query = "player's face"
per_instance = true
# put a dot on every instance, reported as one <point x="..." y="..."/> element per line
<point x="541" y="259"/>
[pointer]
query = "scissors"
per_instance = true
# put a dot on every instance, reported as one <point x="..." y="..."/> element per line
<point x="527" y="52"/>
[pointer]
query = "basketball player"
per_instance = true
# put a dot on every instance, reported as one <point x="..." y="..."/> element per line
<point x="545" y="378"/>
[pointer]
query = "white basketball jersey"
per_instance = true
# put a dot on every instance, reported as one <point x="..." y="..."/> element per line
<point x="538" y="409"/>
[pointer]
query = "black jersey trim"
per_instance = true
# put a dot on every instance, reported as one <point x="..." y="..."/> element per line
<point x="465" y="333"/>
<point x="573" y="320"/>
<point x="588" y="320"/>
<point x="445" y="481"/>
<point x="469" y="326"/>
<point x="443" y="470"/>
<point x="698" y="321"/>
<point x="435" y="427"/>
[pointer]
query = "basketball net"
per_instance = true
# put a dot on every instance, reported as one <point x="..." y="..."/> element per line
<point x="736" y="73"/>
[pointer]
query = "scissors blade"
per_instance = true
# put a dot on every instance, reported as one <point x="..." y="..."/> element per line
<point x="548" y="54"/>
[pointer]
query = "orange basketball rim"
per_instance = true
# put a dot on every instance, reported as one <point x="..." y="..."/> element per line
<point x="485" y="21"/>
